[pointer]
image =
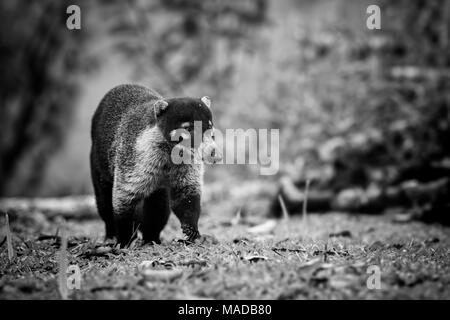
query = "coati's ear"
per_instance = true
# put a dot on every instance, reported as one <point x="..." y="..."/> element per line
<point x="207" y="101"/>
<point x="159" y="106"/>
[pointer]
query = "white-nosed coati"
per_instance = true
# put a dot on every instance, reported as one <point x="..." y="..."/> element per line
<point x="132" y="131"/>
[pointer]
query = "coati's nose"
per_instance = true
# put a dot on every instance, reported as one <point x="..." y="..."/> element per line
<point x="216" y="156"/>
<point x="211" y="153"/>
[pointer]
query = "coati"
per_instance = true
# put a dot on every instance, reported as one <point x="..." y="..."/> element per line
<point x="131" y="164"/>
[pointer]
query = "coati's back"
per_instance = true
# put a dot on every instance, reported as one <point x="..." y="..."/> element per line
<point x="107" y="118"/>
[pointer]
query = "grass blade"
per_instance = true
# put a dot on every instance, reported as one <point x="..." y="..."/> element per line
<point x="283" y="208"/>
<point x="63" y="264"/>
<point x="9" y="239"/>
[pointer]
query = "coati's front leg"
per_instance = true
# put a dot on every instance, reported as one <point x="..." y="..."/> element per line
<point x="186" y="206"/>
<point x="156" y="213"/>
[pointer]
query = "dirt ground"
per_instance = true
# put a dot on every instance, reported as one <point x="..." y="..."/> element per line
<point x="330" y="256"/>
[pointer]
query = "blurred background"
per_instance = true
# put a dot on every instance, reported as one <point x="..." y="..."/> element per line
<point x="363" y="114"/>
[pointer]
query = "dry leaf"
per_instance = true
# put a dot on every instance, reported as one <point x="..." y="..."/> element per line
<point x="161" y="275"/>
<point x="265" y="227"/>
<point x="310" y="263"/>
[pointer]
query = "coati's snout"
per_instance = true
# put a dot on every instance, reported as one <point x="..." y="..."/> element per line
<point x="200" y="146"/>
<point x="210" y="150"/>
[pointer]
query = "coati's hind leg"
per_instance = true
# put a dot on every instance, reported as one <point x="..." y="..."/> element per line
<point x="103" y="198"/>
<point x="124" y="206"/>
<point x="155" y="215"/>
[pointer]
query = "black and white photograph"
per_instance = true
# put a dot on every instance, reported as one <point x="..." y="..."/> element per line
<point x="240" y="150"/>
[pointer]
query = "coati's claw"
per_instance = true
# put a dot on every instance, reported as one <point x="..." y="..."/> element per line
<point x="190" y="232"/>
<point x="203" y="240"/>
<point x="193" y="236"/>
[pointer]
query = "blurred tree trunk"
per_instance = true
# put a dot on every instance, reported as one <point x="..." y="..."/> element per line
<point x="38" y="57"/>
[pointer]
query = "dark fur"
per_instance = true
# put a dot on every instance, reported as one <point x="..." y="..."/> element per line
<point x="130" y="163"/>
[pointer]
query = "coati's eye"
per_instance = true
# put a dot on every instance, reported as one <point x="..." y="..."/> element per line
<point x="186" y="126"/>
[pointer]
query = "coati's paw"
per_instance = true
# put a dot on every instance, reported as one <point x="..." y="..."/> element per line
<point x="190" y="232"/>
<point x="201" y="239"/>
